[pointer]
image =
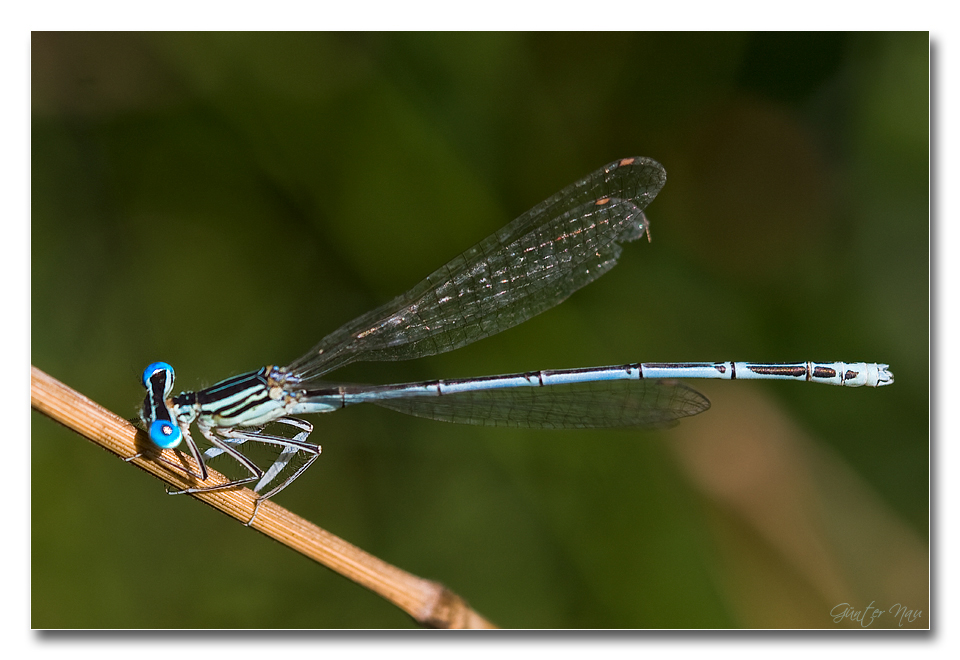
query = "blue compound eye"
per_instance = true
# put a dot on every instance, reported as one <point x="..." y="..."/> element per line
<point x="155" y="367"/>
<point x="164" y="434"/>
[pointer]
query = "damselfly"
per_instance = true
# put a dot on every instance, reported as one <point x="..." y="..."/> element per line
<point x="525" y="268"/>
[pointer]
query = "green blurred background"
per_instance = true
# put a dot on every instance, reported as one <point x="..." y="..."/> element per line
<point x="222" y="201"/>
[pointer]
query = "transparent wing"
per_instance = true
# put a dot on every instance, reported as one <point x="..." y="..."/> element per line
<point x="525" y="268"/>
<point x="598" y="404"/>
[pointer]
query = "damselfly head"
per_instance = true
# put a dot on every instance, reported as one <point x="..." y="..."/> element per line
<point x="156" y="414"/>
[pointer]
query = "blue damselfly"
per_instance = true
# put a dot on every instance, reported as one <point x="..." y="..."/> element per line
<point x="525" y="268"/>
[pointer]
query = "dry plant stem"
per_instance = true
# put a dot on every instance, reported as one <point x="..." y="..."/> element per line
<point x="428" y="602"/>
